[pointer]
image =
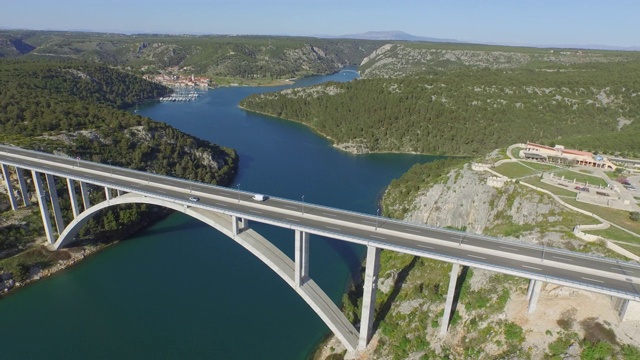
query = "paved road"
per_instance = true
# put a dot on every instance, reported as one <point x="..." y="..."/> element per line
<point x="528" y="260"/>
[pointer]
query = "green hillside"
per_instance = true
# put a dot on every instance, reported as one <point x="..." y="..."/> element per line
<point x="216" y="56"/>
<point x="76" y="109"/>
<point x="472" y="110"/>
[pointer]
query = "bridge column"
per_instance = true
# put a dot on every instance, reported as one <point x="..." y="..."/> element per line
<point x="301" y="258"/>
<point x="74" y="199"/>
<point x="533" y="294"/>
<point x="369" y="295"/>
<point x="238" y="225"/>
<point x="622" y="307"/>
<point x="85" y="195"/>
<point x="107" y="192"/>
<point x="234" y="225"/>
<point x="23" y="187"/>
<point x="119" y="192"/>
<point x="244" y="224"/>
<point x="44" y="211"/>
<point x="7" y="181"/>
<point x="453" y="279"/>
<point x="53" y="194"/>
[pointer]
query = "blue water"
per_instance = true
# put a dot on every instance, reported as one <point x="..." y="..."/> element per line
<point x="182" y="290"/>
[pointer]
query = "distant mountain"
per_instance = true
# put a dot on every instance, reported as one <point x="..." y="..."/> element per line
<point x="393" y="35"/>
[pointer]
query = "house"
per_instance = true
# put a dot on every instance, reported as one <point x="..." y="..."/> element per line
<point x="559" y="155"/>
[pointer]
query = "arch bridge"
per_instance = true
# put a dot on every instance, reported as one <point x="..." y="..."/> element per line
<point x="229" y="211"/>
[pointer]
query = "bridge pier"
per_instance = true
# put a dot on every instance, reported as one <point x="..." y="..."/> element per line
<point x="24" y="191"/>
<point x="622" y="305"/>
<point x="238" y="225"/>
<point x="107" y="193"/>
<point x="84" y="190"/>
<point x="446" y="315"/>
<point x="369" y="296"/>
<point x="44" y="211"/>
<point x="53" y="195"/>
<point x="73" y="198"/>
<point x="119" y="192"/>
<point x="301" y="258"/>
<point x="7" y="180"/>
<point x="533" y="293"/>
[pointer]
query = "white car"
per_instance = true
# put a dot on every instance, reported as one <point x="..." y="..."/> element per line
<point x="259" y="197"/>
<point x="194" y="198"/>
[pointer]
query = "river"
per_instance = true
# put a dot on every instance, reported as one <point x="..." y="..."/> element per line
<point x="183" y="290"/>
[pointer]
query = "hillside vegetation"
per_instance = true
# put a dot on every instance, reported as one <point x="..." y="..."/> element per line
<point x="470" y="111"/>
<point x="216" y="56"/>
<point x="75" y="109"/>
<point x="404" y="59"/>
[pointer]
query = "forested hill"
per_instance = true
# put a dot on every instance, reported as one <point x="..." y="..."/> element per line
<point x="220" y="57"/>
<point x="471" y="110"/>
<point x="76" y="108"/>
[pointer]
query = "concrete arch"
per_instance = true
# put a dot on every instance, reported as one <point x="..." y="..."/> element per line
<point x="260" y="247"/>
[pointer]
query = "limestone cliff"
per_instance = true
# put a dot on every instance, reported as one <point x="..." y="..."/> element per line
<point x="490" y="319"/>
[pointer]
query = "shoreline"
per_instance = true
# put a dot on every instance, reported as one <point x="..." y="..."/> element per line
<point x="76" y="254"/>
<point x="337" y="146"/>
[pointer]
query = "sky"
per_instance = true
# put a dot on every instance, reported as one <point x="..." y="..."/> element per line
<point x="509" y="22"/>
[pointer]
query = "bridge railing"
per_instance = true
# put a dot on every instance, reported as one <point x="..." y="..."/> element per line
<point x="502" y="241"/>
<point x="308" y="205"/>
<point x="360" y="240"/>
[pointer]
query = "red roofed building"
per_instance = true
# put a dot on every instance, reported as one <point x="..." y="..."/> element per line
<point x="560" y="155"/>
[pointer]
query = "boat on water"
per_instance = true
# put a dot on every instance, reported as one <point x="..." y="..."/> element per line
<point x="183" y="96"/>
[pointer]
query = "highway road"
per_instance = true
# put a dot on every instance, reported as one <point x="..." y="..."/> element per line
<point x="608" y="276"/>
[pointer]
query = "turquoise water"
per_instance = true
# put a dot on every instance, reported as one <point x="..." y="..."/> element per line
<point x="182" y="290"/>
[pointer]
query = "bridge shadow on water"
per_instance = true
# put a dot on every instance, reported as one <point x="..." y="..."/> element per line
<point x="350" y="256"/>
<point x="177" y="228"/>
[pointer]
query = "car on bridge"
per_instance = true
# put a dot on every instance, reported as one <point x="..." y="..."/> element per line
<point x="194" y="198"/>
<point x="260" y="197"/>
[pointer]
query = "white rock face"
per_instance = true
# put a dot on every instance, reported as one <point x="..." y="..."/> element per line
<point x="467" y="201"/>
<point x="376" y="53"/>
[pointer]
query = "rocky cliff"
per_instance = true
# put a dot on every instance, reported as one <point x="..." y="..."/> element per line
<point x="491" y="318"/>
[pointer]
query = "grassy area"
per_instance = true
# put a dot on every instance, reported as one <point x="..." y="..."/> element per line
<point x="614" y="233"/>
<point x="541" y="166"/>
<point x="514" y="170"/>
<point x="557" y="190"/>
<point x="633" y="249"/>
<point x="580" y="177"/>
<point x="618" y="217"/>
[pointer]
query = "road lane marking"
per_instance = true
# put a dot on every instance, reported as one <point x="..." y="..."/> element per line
<point x="626" y="271"/>
<point x="378" y="237"/>
<point x="425" y="246"/>
<point x="255" y="211"/>
<point x="561" y="258"/>
<point x="413" y="230"/>
<point x="369" y="222"/>
<point x="291" y="207"/>
<point x="334" y="228"/>
<point x="290" y="219"/>
<point x="332" y="215"/>
<point x="509" y="248"/>
<point x="476" y="256"/>
<point x="600" y="281"/>
<point x="219" y="204"/>
<point x="531" y="267"/>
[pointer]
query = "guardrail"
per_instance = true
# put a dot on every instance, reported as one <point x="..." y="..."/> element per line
<point x="108" y="182"/>
<point x="307" y="205"/>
